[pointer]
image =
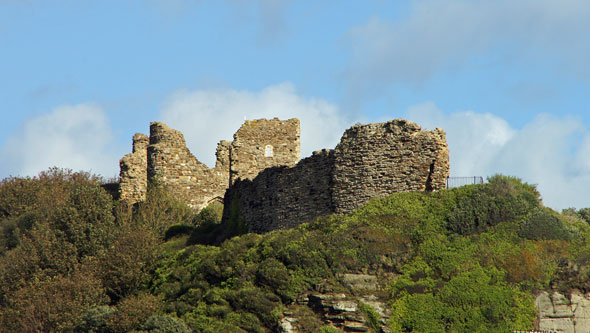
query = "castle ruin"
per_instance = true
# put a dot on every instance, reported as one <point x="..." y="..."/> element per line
<point x="257" y="145"/>
<point x="370" y="161"/>
<point x="260" y="176"/>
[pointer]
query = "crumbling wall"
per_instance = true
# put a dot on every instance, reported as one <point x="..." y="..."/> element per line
<point x="370" y="161"/>
<point x="283" y="197"/>
<point x="264" y="143"/>
<point x="133" y="171"/>
<point x="376" y="160"/>
<point x="164" y="157"/>
<point x="171" y="163"/>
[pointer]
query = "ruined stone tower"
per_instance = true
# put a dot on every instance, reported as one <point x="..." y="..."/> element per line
<point x="164" y="157"/>
<point x="133" y="174"/>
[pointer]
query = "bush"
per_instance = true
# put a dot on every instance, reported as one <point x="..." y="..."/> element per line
<point x="165" y="324"/>
<point x="543" y="224"/>
<point x="133" y="311"/>
<point x="160" y="210"/>
<point x="54" y="304"/>
<point x="209" y="215"/>
<point x="178" y="230"/>
<point x="503" y="199"/>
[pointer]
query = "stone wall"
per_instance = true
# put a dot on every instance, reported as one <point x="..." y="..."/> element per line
<point x="370" y="161"/>
<point x="376" y="160"/>
<point x="261" y="144"/>
<point x="172" y="164"/>
<point x="133" y="175"/>
<point x="164" y="157"/>
<point x="282" y="197"/>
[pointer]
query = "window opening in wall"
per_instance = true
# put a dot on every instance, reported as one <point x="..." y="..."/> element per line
<point x="268" y="151"/>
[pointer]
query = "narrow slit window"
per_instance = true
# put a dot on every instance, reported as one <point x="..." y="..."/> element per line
<point x="268" y="151"/>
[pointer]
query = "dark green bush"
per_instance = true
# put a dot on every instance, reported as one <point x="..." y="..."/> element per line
<point x="543" y="224"/>
<point x="177" y="230"/>
<point x="209" y="215"/>
<point x="502" y="199"/>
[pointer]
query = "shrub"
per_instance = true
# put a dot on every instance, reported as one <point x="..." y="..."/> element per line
<point x="178" y="230"/>
<point x="503" y="199"/>
<point x="134" y="311"/>
<point x="126" y="266"/>
<point x="160" y="210"/>
<point x="165" y="324"/>
<point x="209" y="215"/>
<point x="544" y="224"/>
<point x="371" y="317"/>
<point x="53" y="304"/>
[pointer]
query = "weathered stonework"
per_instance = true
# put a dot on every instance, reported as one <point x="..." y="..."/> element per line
<point x="376" y="160"/>
<point x="282" y="197"/>
<point x="133" y="175"/>
<point x="370" y="161"/>
<point x="164" y="157"/>
<point x="171" y="163"/>
<point x="261" y="144"/>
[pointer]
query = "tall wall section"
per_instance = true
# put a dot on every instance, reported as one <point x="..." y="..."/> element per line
<point x="264" y="143"/>
<point x="379" y="159"/>
<point x="133" y="174"/>
<point x="171" y="163"/>
<point x="370" y="161"/>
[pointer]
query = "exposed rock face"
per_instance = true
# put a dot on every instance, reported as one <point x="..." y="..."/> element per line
<point x="370" y="161"/>
<point x="560" y="313"/>
<point x="133" y="184"/>
<point x="342" y="310"/>
<point x="164" y="157"/>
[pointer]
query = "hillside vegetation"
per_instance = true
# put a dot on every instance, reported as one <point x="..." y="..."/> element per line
<point x="467" y="259"/>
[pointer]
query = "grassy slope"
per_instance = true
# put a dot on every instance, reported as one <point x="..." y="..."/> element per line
<point x="466" y="259"/>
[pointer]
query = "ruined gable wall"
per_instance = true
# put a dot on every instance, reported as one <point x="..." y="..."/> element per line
<point x="133" y="171"/>
<point x="283" y="197"/>
<point x="264" y="143"/>
<point x="258" y="144"/>
<point x="370" y="161"/>
<point x="379" y="159"/>
<point x="172" y="164"/>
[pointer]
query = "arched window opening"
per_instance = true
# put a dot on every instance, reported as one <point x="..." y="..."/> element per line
<point x="268" y="151"/>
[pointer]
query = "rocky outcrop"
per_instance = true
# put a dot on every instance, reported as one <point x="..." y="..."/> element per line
<point x="343" y="310"/>
<point x="561" y="313"/>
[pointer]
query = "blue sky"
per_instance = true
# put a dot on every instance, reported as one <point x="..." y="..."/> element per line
<point x="507" y="80"/>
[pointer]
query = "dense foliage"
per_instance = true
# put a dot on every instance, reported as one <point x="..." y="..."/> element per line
<point x="465" y="259"/>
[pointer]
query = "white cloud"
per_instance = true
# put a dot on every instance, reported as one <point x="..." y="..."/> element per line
<point x="70" y="136"/>
<point x="546" y="151"/>
<point x="207" y="116"/>
<point x="439" y="35"/>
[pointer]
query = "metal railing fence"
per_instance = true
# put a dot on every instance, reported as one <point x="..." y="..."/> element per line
<point x="453" y="182"/>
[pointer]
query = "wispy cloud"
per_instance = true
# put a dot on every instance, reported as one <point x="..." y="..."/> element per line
<point x="207" y="116"/>
<point x="453" y="34"/>
<point x="70" y="136"/>
<point x="549" y="151"/>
